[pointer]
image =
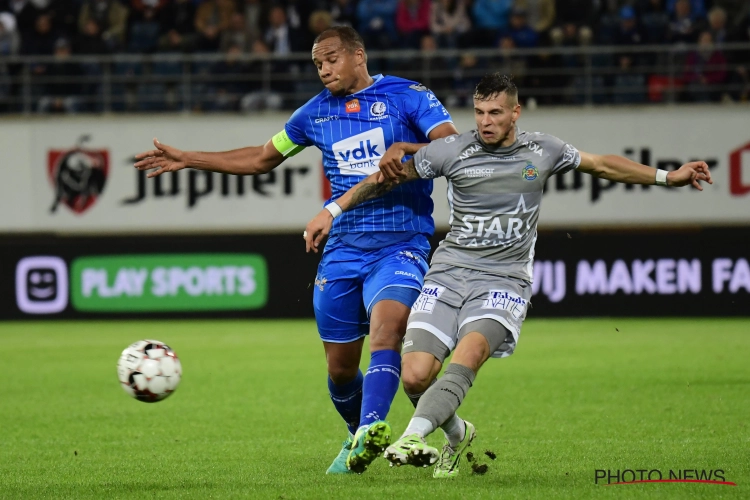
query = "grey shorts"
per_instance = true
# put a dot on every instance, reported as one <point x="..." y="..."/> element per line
<point x="453" y="298"/>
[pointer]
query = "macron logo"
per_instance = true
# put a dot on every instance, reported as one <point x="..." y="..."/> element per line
<point x="360" y="154"/>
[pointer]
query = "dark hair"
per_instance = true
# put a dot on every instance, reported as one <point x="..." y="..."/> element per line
<point x="494" y="84"/>
<point x="349" y="37"/>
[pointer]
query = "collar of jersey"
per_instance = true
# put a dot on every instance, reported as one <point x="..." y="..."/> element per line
<point x="375" y="80"/>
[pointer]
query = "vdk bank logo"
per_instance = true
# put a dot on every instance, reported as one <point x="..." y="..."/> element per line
<point x="360" y="154"/>
<point x="169" y="282"/>
<point x="41" y="285"/>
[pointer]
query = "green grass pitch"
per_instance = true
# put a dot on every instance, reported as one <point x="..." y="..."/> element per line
<point x="252" y="418"/>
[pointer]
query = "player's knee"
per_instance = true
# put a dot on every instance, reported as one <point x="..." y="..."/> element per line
<point x="342" y="373"/>
<point x="416" y="378"/>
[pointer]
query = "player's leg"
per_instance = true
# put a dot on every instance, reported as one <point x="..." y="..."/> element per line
<point x="393" y="282"/>
<point x="341" y="319"/>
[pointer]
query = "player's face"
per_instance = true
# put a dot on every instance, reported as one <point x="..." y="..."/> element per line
<point x="496" y="119"/>
<point x="336" y="65"/>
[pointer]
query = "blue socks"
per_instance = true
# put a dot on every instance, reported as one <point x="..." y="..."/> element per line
<point x="347" y="399"/>
<point x="381" y="384"/>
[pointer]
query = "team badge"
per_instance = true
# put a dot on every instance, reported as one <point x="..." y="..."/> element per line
<point x="377" y="109"/>
<point x="78" y="175"/>
<point x="530" y="172"/>
<point x="352" y="106"/>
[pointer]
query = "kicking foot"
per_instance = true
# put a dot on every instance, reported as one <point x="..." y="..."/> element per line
<point x="411" y="450"/>
<point x="369" y="443"/>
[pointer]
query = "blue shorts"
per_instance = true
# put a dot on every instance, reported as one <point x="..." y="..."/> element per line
<point x="351" y="280"/>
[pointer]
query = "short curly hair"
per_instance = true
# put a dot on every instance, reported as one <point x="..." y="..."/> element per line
<point x="494" y="84"/>
<point x="348" y="36"/>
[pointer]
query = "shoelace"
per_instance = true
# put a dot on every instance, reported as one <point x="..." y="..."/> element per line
<point x="447" y="454"/>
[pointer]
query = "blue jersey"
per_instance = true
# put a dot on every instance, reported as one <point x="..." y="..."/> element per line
<point x="354" y="131"/>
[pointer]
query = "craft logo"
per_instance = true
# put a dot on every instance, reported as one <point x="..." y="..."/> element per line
<point x="77" y="175"/>
<point x="352" y="106"/>
<point x="640" y="476"/>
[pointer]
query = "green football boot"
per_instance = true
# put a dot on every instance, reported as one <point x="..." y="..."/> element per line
<point x="411" y="450"/>
<point x="369" y="443"/>
<point x="447" y="466"/>
<point x="339" y="463"/>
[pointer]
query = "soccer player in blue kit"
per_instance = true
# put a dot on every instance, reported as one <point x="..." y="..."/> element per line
<point x="373" y="265"/>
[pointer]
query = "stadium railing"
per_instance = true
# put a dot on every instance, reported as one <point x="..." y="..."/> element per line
<point x="588" y="75"/>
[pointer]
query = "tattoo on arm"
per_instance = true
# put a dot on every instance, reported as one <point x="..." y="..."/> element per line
<point x="373" y="189"/>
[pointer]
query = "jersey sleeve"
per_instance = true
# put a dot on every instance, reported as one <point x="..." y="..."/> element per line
<point x="424" y="109"/>
<point x="297" y="128"/>
<point x="566" y="156"/>
<point x="433" y="160"/>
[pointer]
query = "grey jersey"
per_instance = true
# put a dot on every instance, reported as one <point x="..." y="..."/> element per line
<point x="494" y="196"/>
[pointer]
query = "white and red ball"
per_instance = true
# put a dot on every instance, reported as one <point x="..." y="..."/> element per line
<point x="149" y="370"/>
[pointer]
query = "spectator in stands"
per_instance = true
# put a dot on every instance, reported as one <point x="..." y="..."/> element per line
<point x="449" y="23"/>
<point x="738" y="14"/>
<point x="490" y="20"/>
<point x="25" y="15"/>
<point x="229" y="92"/>
<point x="298" y="13"/>
<point x="344" y="12"/>
<point x="259" y="98"/>
<point x="628" y="33"/>
<point x="629" y="87"/>
<point x="580" y="13"/>
<point x="138" y="8"/>
<point x="61" y="92"/>
<point x="42" y="41"/>
<point x="540" y="13"/>
<point x="654" y="21"/>
<point x="144" y="33"/>
<point x="508" y="62"/>
<point x="177" y="22"/>
<point x="717" y="25"/>
<point x="280" y="37"/>
<point x="320" y="20"/>
<point x="412" y="21"/>
<point x="254" y="14"/>
<point x="376" y="21"/>
<point x="211" y="19"/>
<point x="697" y="8"/>
<point x="523" y="35"/>
<point x="705" y="69"/>
<point x="739" y="76"/>
<point x="683" y="28"/>
<point x="110" y="15"/>
<point x="235" y="34"/>
<point x="439" y="70"/>
<point x="9" y="40"/>
<point x="90" y="40"/>
<point x="64" y="17"/>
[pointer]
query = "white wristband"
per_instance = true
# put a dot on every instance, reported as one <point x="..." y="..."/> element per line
<point x="334" y="209"/>
<point x="661" y="177"/>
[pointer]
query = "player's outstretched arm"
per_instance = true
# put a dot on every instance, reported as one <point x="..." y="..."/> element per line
<point x="245" y="161"/>
<point x="367" y="189"/>
<point x="620" y="169"/>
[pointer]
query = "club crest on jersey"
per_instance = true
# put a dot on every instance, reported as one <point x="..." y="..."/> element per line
<point x="377" y="110"/>
<point x="530" y="172"/>
<point x="352" y="106"/>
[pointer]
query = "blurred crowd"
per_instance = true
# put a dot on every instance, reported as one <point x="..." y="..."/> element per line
<point x="236" y="27"/>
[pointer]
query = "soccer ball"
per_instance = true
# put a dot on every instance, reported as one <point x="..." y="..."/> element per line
<point x="149" y="370"/>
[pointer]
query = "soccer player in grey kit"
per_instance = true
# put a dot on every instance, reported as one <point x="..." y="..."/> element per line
<point x="476" y="293"/>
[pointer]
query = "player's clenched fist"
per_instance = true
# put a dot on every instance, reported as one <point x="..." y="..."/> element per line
<point x="317" y="230"/>
<point x="164" y="159"/>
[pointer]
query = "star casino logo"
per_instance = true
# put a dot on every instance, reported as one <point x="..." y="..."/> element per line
<point x="321" y="283"/>
<point x="530" y="172"/>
